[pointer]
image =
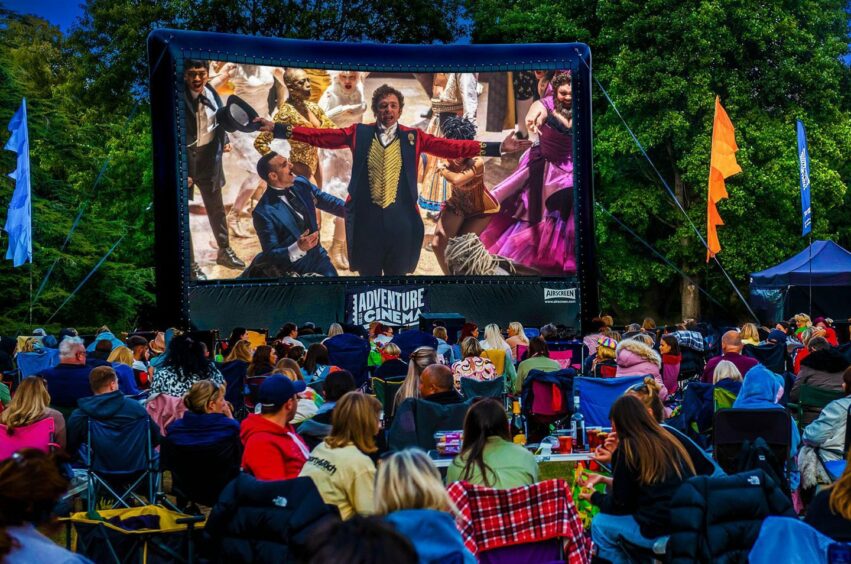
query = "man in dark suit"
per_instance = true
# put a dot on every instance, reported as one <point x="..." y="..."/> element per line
<point x="285" y="221"/>
<point x="205" y="143"/>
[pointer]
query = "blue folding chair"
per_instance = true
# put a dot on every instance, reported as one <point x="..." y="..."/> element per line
<point x="596" y="396"/>
<point x="234" y="374"/>
<point x="119" y="455"/>
<point x="30" y="363"/>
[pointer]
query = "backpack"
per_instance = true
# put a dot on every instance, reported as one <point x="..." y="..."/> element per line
<point x="757" y="455"/>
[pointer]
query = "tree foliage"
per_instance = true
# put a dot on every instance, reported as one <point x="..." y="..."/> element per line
<point x="663" y="62"/>
<point x="87" y="102"/>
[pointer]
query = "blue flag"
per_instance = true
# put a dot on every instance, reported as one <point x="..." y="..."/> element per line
<point x="804" y="169"/>
<point x="19" y="218"/>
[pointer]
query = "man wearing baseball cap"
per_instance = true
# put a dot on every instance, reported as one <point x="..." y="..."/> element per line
<point x="272" y="448"/>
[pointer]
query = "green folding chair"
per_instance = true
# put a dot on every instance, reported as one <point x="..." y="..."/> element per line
<point x="812" y="397"/>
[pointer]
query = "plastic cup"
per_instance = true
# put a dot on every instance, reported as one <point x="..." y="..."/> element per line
<point x="565" y="444"/>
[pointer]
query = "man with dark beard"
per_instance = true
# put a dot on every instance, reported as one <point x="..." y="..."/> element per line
<point x="383" y="224"/>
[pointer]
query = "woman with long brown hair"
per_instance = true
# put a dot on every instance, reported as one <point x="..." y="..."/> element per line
<point x="648" y="466"/>
<point x="30" y="404"/>
<point x="263" y="362"/>
<point x="30" y="486"/>
<point x="340" y="466"/>
<point x="488" y="457"/>
<point x="419" y="359"/>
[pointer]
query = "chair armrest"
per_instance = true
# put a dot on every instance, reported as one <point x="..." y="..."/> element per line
<point x="191" y="520"/>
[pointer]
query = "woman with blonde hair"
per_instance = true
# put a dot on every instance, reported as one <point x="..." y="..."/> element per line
<point x="516" y="336"/>
<point x="340" y="466"/>
<point x="241" y="351"/>
<point x="411" y="496"/>
<point x="749" y="334"/>
<point x="208" y="418"/>
<point x="121" y="355"/>
<point x="333" y="330"/>
<point x="472" y="365"/>
<point x="420" y="358"/>
<point x="491" y="345"/>
<point x="31" y="403"/>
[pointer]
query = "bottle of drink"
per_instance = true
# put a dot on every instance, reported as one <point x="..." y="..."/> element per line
<point x="517" y="423"/>
<point x="577" y="423"/>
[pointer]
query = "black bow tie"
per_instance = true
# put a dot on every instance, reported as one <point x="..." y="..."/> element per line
<point x="203" y="100"/>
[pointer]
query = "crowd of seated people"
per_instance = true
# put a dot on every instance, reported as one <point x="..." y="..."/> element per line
<point x="311" y="419"/>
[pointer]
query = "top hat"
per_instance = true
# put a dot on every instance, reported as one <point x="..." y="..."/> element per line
<point x="237" y="115"/>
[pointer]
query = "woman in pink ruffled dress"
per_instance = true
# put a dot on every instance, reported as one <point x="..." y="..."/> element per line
<point x="535" y="225"/>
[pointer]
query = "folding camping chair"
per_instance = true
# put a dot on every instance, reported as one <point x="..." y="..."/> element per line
<point x="536" y="523"/>
<point x="199" y="473"/>
<point x="385" y="391"/>
<point x="37" y="435"/>
<point x="149" y="534"/>
<point x="472" y="388"/>
<point x="732" y="427"/>
<point x="119" y="455"/>
<point x="596" y="396"/>
<point x="417" y="420"/>
<point x="249" y="393"/>
<point x="546" y="398"/>
<point x="772" y="356"/>
<point x="812" y="397"/>
<point x="234" y="374"/>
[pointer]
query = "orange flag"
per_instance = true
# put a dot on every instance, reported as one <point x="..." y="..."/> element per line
<point x="722" y="164"/>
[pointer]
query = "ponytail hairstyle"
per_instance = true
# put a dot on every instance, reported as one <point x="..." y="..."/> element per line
<point x="648" y="393"/>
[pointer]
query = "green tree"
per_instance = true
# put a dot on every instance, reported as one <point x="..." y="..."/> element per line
<point x="663" y="62"/>
<point x="87" y="101"/>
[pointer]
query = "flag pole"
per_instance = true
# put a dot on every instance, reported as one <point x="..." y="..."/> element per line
<point x="811" y="273"/>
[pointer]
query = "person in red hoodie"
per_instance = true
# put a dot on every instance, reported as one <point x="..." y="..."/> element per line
<point x="272" y="448"/>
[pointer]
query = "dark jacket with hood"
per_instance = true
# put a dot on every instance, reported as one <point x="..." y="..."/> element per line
<point x="718" y="519"/>
<point x="262" y="521"/>
<point x="113" y="407"/>
<point x="821" y="369"/>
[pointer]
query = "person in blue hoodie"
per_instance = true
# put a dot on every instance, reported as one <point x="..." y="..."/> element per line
<point x="208" y="418"/>
<point x="410" y="495"/>
<point x="107" y="404"/>
<point x="762" y="389"/>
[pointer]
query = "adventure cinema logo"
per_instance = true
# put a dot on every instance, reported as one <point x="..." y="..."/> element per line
<point x="559" y="295"/>
<point x="398" y="307"/>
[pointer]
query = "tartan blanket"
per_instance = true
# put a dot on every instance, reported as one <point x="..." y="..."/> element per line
<point x="489" y="518"/>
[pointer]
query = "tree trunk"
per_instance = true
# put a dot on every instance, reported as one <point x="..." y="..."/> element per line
<point x="689" y="294"/>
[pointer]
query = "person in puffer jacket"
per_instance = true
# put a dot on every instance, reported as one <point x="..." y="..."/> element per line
<point x="264" y="521"/>
<point x="634" y="358"/>
<point x="718" y="519"/>
<point x="823" y="369"/>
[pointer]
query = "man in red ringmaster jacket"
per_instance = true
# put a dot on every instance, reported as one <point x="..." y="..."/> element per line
<point x="384" y="228"/>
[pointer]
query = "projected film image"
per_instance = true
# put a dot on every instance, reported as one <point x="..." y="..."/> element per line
<point x="314" y="173"/>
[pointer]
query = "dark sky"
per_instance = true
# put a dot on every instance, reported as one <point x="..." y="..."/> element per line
<point x="58" y="12"/>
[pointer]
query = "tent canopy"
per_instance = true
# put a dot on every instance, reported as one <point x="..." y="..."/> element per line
<point x="831" y="266"/>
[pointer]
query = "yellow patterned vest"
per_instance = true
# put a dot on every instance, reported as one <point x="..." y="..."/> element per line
<point x="384" y="166"/>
